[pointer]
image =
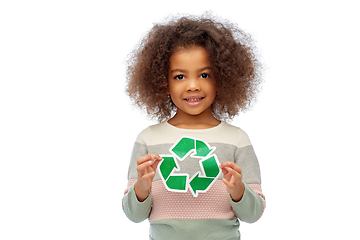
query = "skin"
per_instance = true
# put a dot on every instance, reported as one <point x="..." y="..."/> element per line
<point x="192" y="89"/>
<point x="146" y="168"/>
<point x="190" y="77"/>
<point x="233" y="180"/>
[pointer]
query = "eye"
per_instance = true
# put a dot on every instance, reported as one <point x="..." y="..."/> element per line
<point x="204" y="75"/>
<point x="179" y="77"/>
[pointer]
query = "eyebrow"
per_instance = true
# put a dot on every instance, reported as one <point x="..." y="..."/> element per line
<point x="182" y="70"/>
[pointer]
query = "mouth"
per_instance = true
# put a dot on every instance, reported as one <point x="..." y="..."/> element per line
<point x="194" y="99"/>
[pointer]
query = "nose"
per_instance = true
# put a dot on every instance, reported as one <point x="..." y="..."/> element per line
<point x="193" y="85"/>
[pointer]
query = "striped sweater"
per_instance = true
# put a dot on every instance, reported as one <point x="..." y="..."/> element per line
<point x="188" y="199"/>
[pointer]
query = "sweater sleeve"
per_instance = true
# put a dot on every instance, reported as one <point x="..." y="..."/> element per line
<point x="136" y="211"/>
<point x="250" y="208"/>
<point x="252" y="205"/>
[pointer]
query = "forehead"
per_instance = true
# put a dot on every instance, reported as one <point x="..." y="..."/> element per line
<point x="189" y="58"/>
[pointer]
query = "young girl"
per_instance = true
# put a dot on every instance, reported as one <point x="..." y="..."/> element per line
<point x="193" y="174"/>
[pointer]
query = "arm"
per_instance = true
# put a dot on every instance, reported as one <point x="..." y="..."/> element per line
<point x="135" y="210"/>
<point x="252" y="204"/>
<point x="247" y="204"/>
<point x="137" y="200"/>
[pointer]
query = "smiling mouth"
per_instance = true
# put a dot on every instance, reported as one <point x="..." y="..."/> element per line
<point x="193" y="99"/>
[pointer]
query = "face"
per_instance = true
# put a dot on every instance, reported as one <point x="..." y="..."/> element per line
<point x="191" y="84"/>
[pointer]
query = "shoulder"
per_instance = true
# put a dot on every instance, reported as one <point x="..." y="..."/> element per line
<point x="150" y="132"/>
<point x="234" y="135"/>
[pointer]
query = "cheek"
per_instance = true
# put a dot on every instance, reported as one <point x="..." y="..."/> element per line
<point x="175" y="88"/>
<point x="212" y="89"/>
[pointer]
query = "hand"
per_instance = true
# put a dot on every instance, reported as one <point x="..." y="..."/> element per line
<point x="146" y="169"/>
<point x="233" y="180"/>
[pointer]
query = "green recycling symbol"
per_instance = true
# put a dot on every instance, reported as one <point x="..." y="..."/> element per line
<point x="200" y="181"/>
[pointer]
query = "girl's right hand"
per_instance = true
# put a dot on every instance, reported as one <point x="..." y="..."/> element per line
<point x="146" y="169"/>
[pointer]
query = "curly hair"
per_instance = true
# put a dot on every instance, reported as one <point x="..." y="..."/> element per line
<point x="232" y="55"/>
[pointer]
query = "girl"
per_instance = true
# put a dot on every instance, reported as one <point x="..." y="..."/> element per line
<point x="193" y="174"/>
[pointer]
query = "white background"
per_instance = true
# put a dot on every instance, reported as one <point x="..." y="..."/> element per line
<point x="67" y="128"/>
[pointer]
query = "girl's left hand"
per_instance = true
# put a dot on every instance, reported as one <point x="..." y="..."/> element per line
<point x="233" y="180"/>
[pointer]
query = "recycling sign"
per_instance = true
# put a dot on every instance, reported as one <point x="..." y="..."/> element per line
<point x="202" y="180"/>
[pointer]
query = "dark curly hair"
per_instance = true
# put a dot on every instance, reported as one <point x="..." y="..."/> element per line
<point x="232" y="55"/>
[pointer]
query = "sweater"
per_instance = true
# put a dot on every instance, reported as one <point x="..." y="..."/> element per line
<point x="188" y="199"/>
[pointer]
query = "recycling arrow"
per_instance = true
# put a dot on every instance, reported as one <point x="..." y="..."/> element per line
<point x="186" y="145"/>
<point x="199" y="184"/>
<point x="173" y="182"/>
<point x="202" y="180"/>
<point x="167" y="166"/>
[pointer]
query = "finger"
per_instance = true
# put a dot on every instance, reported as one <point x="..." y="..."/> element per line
<point x="227" y="175"/>
<point x="155" y="157"/>
<point x="144" y="166"/>
<point x="223" y="165"/>
<point x="227" y="164"/>
<point x="148" y="157"/>
<point x="155" y="164"/>
<point x="236" y="176"/>
<point x="232" y="165"/>
<point x="225" y="171"/>
<point x="147" y="167"/>
<point x="143" y="159"/>
<point x="148" y="176"/>
<point x="228" y="184"/>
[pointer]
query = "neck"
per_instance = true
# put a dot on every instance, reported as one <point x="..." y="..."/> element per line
<point x="201" y="121"/>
